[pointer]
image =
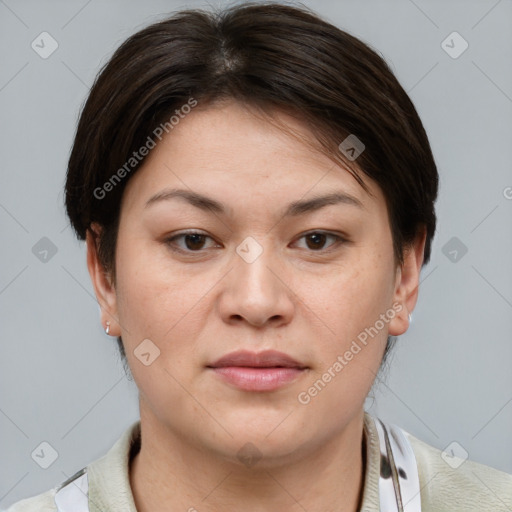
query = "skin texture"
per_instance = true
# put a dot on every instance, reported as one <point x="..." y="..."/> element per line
<point x="307" y="298"/>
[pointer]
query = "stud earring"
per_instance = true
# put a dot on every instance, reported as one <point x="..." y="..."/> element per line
<point x="107" y="329"/>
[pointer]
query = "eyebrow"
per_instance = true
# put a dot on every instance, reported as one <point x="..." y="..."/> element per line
<point x="293" y="209"/>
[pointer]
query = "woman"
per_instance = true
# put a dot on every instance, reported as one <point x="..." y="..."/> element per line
<point x="256" y="192"/>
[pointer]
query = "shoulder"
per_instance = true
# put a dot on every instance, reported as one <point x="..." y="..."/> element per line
<point x="44" y="502"/>
<point x="72" y="492"/>
<point x="102" y="482"/>
<point x="449" y="482"/>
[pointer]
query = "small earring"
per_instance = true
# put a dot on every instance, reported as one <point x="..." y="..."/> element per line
<point x="410" y="318"/>
<point x="107" y="329"/>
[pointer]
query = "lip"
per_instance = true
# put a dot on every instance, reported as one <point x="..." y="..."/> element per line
<point x="257" y="371"/>
<point x="265" y="359"/>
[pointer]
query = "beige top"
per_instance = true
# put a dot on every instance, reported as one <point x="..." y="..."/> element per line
<point x="470" y="487"/>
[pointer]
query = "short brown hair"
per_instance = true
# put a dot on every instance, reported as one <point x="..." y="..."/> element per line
<point x="272" y="56"/>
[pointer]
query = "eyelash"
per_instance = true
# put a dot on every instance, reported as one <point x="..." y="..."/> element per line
<point x="171" y="240"/>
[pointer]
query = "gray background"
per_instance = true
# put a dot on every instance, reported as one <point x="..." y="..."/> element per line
<point x="61" y="378"/>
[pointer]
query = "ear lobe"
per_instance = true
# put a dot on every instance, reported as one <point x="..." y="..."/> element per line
<point x="407" y="283"/>
<point x="102" y="282"/>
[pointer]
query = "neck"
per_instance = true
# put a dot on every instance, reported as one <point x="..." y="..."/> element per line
<point x="169" y="473"/>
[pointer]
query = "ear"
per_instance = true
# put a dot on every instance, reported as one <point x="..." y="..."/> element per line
<point x="407" y="283"/>
<point x="102" y="282"/>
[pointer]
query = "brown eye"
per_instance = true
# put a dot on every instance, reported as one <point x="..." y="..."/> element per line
<point x="316" y="241"/>
<point x="189" y="242"/>
<point x="194" y="241"/>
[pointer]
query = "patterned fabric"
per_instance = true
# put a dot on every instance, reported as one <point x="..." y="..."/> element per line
<point x="73" y="495"/>
<point x="399" y="486"/>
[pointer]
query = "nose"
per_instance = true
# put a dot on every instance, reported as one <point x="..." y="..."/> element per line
<point x="256" y="292"/>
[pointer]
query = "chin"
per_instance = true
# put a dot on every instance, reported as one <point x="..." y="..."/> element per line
<point x="262" y="454"/>
<point x="271" y="443"/>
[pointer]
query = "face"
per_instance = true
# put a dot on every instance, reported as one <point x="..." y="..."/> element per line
<point x="251" y="309"/>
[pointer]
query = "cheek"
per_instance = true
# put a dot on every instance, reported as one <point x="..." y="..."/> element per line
<point x="160" y="313"/>
<point x="158" y="301"/>
<point x="149" y="293"/>
<point x="357" y="307"/>
<point x="348" y="365"/>
<point x="355" y="298"/>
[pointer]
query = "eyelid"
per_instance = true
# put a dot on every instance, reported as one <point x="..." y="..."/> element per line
<point x="339" y="239"/>
<point x="170" y="239"/>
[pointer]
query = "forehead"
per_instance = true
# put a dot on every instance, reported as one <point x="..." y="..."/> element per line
<point x="231" y="150"/>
